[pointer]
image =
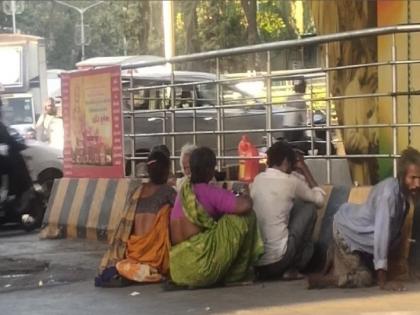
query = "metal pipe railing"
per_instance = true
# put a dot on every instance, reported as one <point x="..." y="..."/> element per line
<point x="273" y="130"/>
<point x="173" y="113"/>
<point x="267" y="101"/>
<point x="219" y="120"/>
<point x="328" y="137"/>
<point x="164" y="125"/>
<point x="292" y="74"/>
<point x="269" y="106"/>
<point x="394" y="103"/>
<point x="132" y="139"/>
<point x="317" y="40"/>
<point x="312" y="157"/>
<point x="285" y="102"/>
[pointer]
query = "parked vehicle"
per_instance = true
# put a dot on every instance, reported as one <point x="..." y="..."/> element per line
<point x="20" y="200"/>
<point x="23" y="65"/>
<point x="18" y="112"/>
<point x="45" y="164"/>
<point x="197" y="102"/>
<point x="203" y="96"/>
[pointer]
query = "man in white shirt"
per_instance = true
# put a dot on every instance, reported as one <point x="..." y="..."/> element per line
<point x="298" y="118"/>
<point x="46" y="120"/>
<point x="285" y="199"/>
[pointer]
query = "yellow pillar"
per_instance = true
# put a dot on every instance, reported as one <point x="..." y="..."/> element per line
<point x="394" y="13"/>
<point x="298" y="14"/>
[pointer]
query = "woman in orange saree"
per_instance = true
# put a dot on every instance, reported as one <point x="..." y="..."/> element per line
<point x="140" y="246"/>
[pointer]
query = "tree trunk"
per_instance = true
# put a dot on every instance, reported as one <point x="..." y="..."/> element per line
<point x="143" y="31"/>
<point x="250" y="9"/>
<point x="190" y="25"/>
<point x="345" y="15"/>
<point x="156" y="44"/>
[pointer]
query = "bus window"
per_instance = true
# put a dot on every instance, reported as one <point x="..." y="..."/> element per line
<point x="17" y="110"/>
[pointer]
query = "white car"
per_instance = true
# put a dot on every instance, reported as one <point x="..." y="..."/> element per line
<point x="45" y="163"/>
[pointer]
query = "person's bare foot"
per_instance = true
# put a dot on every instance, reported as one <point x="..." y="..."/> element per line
<point x="320" y="281"/>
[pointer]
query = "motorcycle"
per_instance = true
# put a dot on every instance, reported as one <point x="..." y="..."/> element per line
<point x="316" y="141"/>
<point x="21" y="201"/>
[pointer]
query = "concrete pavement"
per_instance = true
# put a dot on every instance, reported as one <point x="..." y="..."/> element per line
<point x="72" y="266"/>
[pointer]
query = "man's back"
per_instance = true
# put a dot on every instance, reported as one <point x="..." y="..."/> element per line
<point x="273" y="193"/>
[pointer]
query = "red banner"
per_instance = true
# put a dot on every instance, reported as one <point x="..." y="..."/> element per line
<point x="93" y="146"/>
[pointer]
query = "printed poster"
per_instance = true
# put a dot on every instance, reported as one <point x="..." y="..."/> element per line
<point x="92" y="120"/>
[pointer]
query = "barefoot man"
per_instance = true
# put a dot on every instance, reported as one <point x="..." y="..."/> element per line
<point x="363" y="234"/>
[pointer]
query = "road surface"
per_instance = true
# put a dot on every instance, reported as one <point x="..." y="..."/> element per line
<point x="56" y="277"/>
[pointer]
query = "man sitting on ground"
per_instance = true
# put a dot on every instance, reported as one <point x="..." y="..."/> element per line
<point x="285" y="203"/>
<point x="363" y="234"/>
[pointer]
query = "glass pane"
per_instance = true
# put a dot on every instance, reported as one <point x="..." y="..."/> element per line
<point x="17" y="111"/>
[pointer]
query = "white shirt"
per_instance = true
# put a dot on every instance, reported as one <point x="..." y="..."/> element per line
<point x="180" y="182"/>
<point x="43" y="127"/>
<point x="273" y="193"/>
<point x="56" y="133"/>
<point x="296" y="101"/>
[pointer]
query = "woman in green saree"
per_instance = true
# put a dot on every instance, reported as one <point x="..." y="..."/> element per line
<point x="214" y="234"/>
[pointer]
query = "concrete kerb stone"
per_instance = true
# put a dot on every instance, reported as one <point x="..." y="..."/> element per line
<point x="86" y="208"/>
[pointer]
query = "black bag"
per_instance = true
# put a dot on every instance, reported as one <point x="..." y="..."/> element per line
<point x="110" y="278"/>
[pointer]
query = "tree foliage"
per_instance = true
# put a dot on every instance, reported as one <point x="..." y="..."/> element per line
<point x="134" y="27"/>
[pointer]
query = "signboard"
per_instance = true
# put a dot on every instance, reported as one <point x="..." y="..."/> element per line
<point x="11" y="65"/>
<point x="92" y="123"/>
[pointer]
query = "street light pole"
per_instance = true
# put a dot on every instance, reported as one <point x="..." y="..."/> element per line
<point x="82" y="26"/>
<point x="82" y="34"/>
<point x="168" y="29"/>
<point x="13" y="7"/>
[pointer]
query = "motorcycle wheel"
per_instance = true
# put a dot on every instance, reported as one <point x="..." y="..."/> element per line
<point x="36" y="214"/>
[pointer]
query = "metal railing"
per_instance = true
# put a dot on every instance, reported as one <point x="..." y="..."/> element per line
<point x="171" y="114"/>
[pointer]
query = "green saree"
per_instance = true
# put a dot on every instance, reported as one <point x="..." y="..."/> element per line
<point x="223" y="252"/>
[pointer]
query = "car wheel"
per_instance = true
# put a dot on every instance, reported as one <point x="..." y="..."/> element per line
<point x="46" y="181"/>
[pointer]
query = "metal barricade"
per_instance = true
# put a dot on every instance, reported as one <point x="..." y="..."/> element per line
<point x="182" y="114"/>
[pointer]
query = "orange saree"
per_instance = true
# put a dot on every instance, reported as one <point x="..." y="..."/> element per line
<point x="147" y="256"/>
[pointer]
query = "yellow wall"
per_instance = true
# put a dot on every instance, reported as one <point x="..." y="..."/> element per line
<point x="393" y="13"/>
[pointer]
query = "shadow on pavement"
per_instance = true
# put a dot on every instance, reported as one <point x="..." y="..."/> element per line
<point x="12" y="230"/>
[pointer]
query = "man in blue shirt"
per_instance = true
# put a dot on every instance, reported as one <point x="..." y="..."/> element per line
<point x="363" y="234"/>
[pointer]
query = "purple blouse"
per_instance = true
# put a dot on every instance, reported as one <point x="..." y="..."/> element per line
<point x="216" y="201"/>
